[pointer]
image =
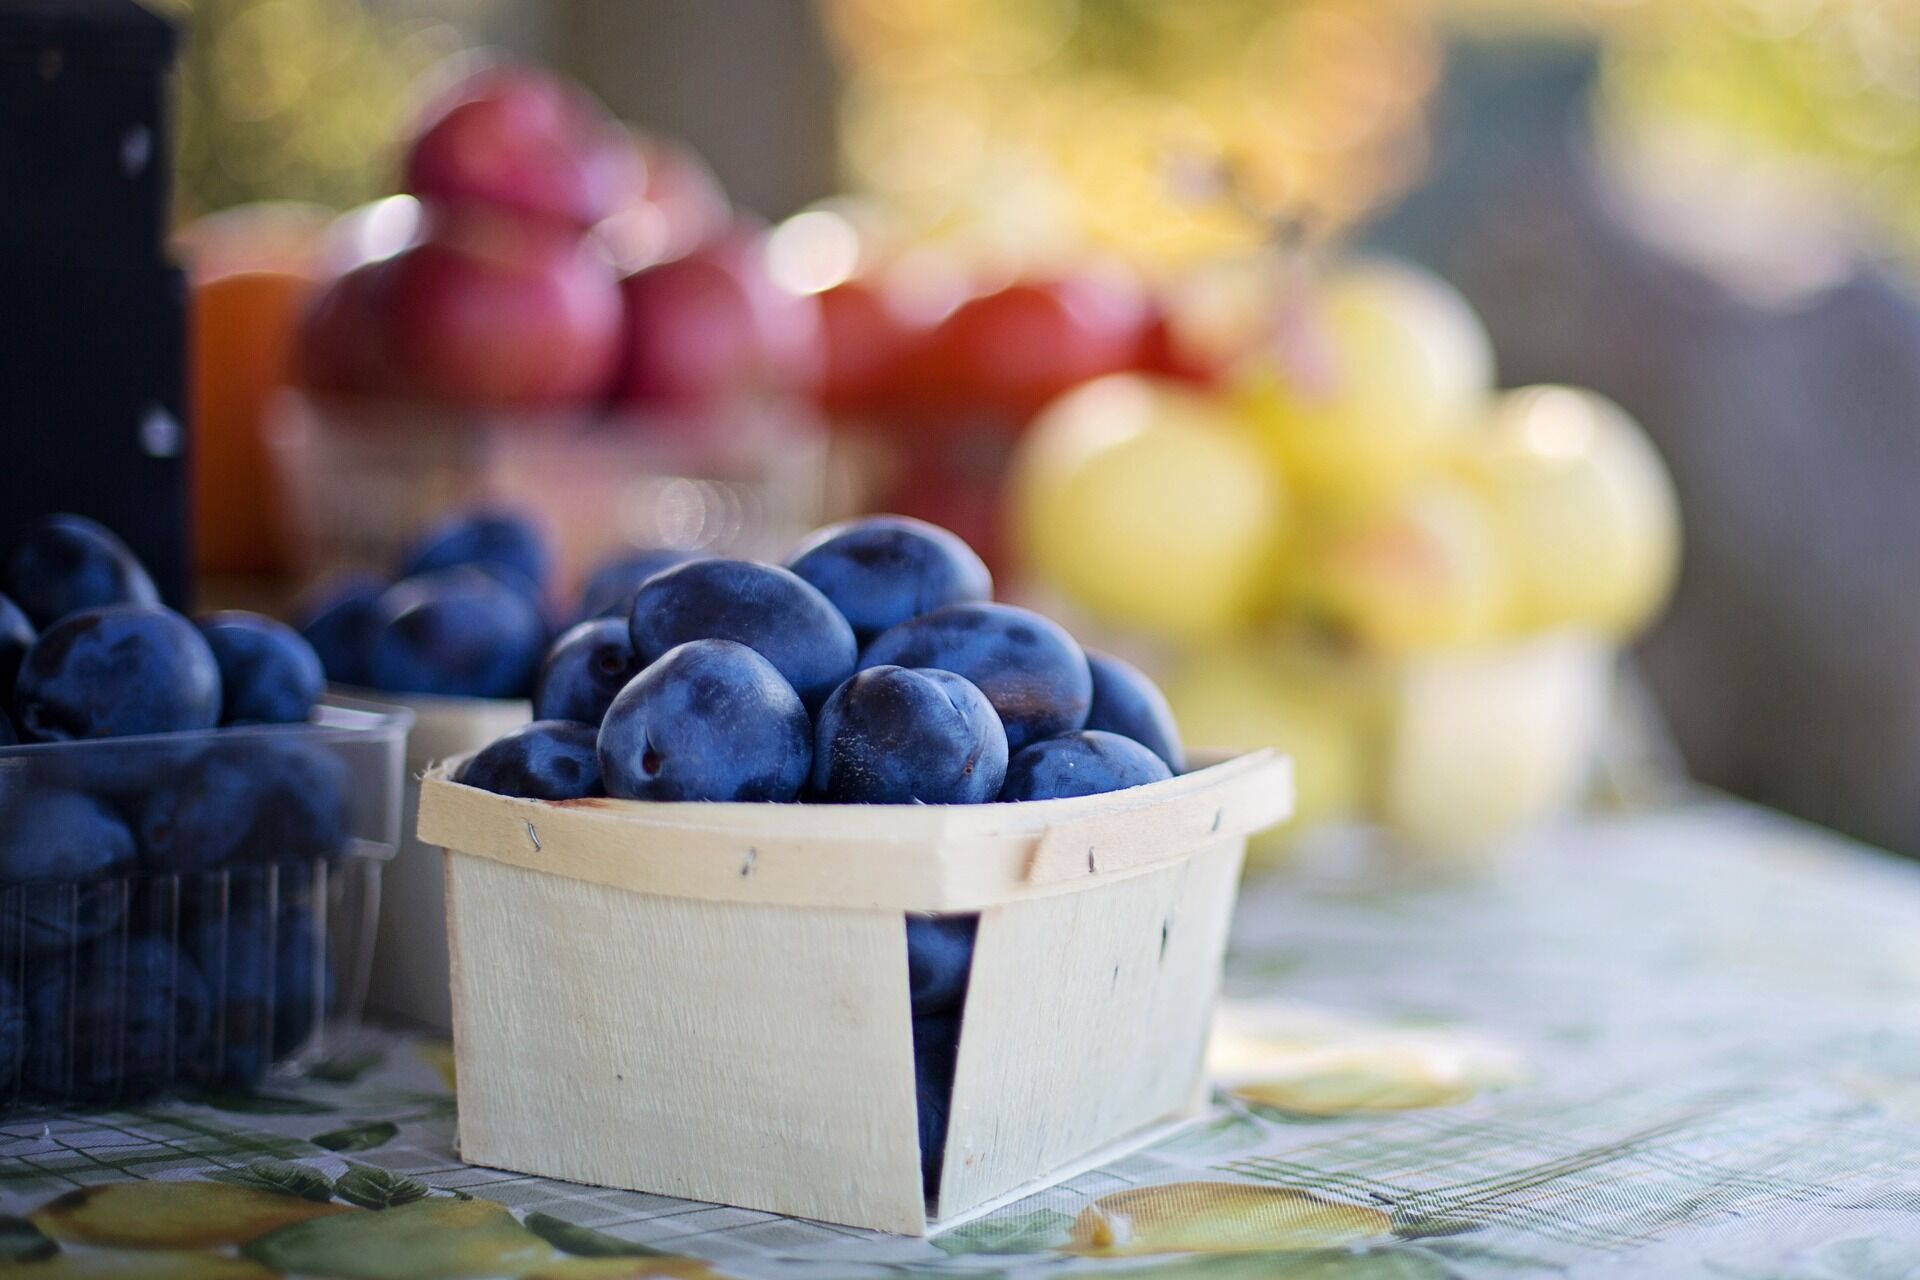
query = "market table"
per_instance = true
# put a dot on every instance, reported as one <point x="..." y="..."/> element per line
<point x="1677" y="1044"/>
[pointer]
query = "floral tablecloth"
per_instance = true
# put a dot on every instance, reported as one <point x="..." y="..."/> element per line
<point x="1685" y="1044"/>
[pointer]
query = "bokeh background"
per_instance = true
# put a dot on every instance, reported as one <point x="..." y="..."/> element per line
<point x="1707" y="211"/>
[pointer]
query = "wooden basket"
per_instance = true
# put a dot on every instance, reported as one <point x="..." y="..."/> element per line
<point x="710" y="1001"/>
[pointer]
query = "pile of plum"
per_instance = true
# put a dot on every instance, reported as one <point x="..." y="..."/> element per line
<point x="873" y="668"/>
<point x="159" y="917"/>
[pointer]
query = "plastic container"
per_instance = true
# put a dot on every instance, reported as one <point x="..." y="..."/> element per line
<point x="232" y="918"/>
<point x="362" y="478"/>
<point x="410" y="984"/>
<point x="717" y="999"/>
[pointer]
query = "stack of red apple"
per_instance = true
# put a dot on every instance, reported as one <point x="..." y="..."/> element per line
<point x="948" y="379"/>
<point x="546" y="262"/>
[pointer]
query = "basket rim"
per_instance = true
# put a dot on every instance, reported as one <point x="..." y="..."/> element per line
<point x="892" y="857"/>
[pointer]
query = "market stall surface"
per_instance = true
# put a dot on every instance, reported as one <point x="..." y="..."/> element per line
<point x="1682" y="1044"/>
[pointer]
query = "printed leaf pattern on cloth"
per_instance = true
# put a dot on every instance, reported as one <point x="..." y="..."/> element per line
<point x="1009" y="1233"/>
<point x="360" y="1137"/>
<point x="1222" y="1217"/>
<point x="372" y="1188"/>
<point x="1682" y="1045"/>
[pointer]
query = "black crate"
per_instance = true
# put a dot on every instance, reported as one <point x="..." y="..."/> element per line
<point x="92" y="410"/>
<point x="83" y="138"/>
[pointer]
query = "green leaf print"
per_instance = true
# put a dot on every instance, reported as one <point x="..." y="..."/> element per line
<point x="1008" y="1233"/>
<point x="372" y="1188"/>
<point x="361" y="1137"/>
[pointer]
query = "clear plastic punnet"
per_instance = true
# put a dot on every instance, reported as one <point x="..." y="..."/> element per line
<point x="189" y="911"/>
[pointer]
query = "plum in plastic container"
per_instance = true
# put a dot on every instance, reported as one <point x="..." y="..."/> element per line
<point x="189" y="910"/>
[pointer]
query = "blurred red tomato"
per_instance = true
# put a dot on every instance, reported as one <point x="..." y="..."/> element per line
<point x="521" y="139"/>
<point x="715" y="323"/>
<point x="1162" y="352"/>
<point x="1011" y="351"/>
<point x="869" y="340"/>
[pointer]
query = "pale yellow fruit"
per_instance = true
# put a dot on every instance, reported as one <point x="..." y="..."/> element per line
<point x="672" y="1268"/>
<point x="434" y="1239"/>
<point x="1240" y="697"/>
<point x="173" y="1215"/>
<point x="1586" y="511"/>
<point x="1144" y="503"/>
<point x="1367" y="380"/>
<point x="1221" y="1217"/>
<point x="1424" y="571"/>
<point x="147" y="1264"/>
<point x="1307" y="1061"/>
<point x="1486" y="743"/>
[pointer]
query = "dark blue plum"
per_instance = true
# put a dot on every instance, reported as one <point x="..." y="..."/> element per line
<point x="51" y="835"/>
<point x="269" y="673"/>
<point x="13" y="1033"/>
<point x="587" y="665"/>
<point x="761" y="606"/>
<point x="1031" y="670"/>
<point x="340" y="618"/>
<point x="249" y="798"/>
<point x="481" y="538"/>
<point x="1089" y="763"/>
<point x="306" y="799"/>
<point x="203" y="815"/>
<point x="889" y="735"/>
<point x="708" y="720"/>
<point x="303" y="978"/>
<point x="880" y="571"/>
<point x="122" y="774"/>
<point x="118" y="1023"/>
<point x="939" y="957"/>
<point x="545" y="760"/>
<point x="457" y="633"/>
<point x="16" y="637"/>
<point x="609" y="592"/>
<point x="1127" y="702"/>
<point x="936" y="1049"/>
<point x="120" y="670"/>
<point x="68" y="563"/>
<point x="49" y="838"/>
<point x="263" y="955"/>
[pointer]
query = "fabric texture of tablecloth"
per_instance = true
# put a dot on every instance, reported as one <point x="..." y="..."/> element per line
<point x="1685" y="1044"/>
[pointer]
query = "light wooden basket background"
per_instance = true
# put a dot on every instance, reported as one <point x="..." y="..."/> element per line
<point x="710" y="1000"/>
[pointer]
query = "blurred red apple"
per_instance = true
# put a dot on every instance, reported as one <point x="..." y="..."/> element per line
<point x="521" y="139"/>
<point x="1009" y="352"/>
<point x="715" y="323"/>
<point x="491" y="312"/>
<point x="482" y="311"/>
<point x="680" y="208"/>
<point x="340" y="348"/>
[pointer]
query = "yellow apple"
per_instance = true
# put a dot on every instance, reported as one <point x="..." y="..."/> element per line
<point x="1423" y="571"/>
<point x="1316" y="706"/>
<point x="1586" y="511"/>
<point x="1143" y="502"/>
<point x="1365" y="380"/>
